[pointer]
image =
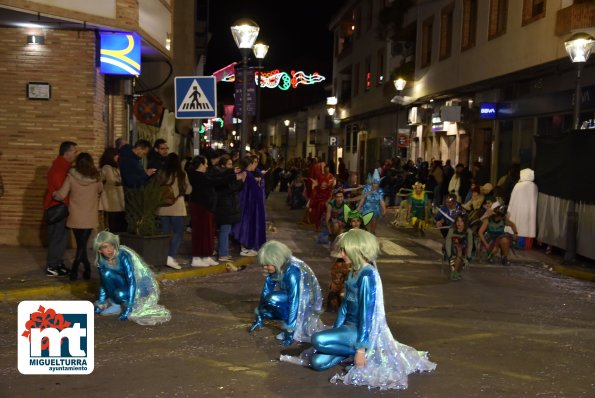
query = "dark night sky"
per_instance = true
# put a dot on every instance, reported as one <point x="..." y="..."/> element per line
<point x="299" y="39"/>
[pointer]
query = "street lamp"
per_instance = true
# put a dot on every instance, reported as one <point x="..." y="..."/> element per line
<point x="400" y="86"/>
<point x="331" y="103"/>
<point x="578" y="47"/>
<point x="286" y="122"/>
<point x="244" y="32"/>
<point x="260" y="51"/>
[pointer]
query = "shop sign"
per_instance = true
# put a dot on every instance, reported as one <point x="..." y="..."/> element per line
<point x="487" y="110"/>
<point x="119" y="53"/>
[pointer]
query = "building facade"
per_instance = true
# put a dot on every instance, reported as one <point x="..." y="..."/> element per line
<point x="78" y="102"/>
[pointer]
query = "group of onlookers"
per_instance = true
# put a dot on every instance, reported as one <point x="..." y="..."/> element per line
<point x="223" y="195"/>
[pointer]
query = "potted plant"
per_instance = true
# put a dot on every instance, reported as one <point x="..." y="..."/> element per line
<point x="143" y="235"/>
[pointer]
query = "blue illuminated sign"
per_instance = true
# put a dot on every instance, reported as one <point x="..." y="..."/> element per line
<point x="487" y="110"/>
<point x="119" y="53"/>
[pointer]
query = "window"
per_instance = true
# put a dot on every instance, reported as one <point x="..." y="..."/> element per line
<point x="446" y="21"/>
<point x="368" y="76"/>
<point x="498" y="16"/>
<point x="426" y="42"/>
<point x="533" y="10"/>
<point x="469" y="24"/>
<point x="356" y="80"/>
<point x="380" y="67"/>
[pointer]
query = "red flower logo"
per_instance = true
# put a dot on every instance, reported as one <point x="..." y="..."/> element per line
<point x="43" y="319"/>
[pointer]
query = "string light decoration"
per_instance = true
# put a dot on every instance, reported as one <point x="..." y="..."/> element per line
<point x="282" y="80"/>
<point x="209" y="124"/>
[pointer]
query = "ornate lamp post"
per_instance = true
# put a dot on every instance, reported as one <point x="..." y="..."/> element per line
<point x="578" y="47"/>
<point x="244" y="32"/>
<point x="260" y="51"/>
<point x="400" y="86"/>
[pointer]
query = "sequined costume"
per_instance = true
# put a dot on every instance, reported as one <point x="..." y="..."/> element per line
<point x="131" y="284"/>
<point x="293" y="297"/>
<point x="372" y="201"/>
<point x="361" y="323"/>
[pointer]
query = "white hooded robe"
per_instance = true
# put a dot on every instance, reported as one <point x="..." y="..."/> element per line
<point x="522" y="210"/>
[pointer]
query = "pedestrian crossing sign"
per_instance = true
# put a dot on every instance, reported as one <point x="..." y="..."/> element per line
<point x="196" y="97"/>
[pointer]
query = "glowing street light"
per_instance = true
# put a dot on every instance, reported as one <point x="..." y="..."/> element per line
<point x="244" y="32"/>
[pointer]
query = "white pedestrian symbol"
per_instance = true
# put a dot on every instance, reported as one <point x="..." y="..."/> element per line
<point x="195" y="100"/>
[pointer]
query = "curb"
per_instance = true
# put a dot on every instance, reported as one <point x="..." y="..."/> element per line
<point x="81" y="288"/>
<point x="575" y="273"/>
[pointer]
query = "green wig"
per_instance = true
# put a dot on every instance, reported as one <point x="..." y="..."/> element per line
<point x="360" y="246"/>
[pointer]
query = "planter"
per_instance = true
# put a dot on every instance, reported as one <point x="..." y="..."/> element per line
<point x="153" y="249"/>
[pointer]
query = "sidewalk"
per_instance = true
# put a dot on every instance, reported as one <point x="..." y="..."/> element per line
<point x="22" y="269"/>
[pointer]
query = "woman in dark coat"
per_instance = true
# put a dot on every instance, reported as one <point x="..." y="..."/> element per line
<point x="203" y="201"/>
<point x="227" y="211"/>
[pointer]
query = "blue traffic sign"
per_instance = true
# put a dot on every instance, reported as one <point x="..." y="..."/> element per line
<point x="196" y="97"/>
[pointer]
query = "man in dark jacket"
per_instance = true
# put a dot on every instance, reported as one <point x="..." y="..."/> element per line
<point x="227" y="209"/>
<point x="157" y="156"/>
<point x="133" y="172"/>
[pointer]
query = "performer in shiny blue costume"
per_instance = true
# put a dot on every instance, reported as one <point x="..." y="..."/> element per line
<point x="291" y="294"/>
<point x="360" y="331"/>
<point x="373" y="201"/>
<point x="128" y="287"/>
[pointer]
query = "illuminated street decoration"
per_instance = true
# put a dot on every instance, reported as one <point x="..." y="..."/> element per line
<point x="278" y="79"/>
<point x="209" y="124"/>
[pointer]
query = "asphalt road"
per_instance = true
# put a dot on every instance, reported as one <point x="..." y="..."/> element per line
<point x="515" y="331"/>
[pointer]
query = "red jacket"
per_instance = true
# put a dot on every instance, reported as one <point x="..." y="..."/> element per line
<point x="56" y="176"/>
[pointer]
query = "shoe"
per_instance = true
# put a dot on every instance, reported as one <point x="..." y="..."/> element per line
<point x="51" y="271"/>
<point x="225" y="259"/>
<point x="172" y="263"/>
<point x="505" y="261"/>
<point x="248" y="252"/>
<point x="113" y="309"/>
<point x="63" y="270"/>
<point x="199" y="262"/>
<point x="210" y="261"/>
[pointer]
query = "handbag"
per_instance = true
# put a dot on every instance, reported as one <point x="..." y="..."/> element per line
<point x="167" y="196"/>
<point x="56" y="213"/>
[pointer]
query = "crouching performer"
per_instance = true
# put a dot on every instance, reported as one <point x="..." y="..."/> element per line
<point x="360" y="337"/>
<point x="128" y="287"/>
<point x="291" y="294"/>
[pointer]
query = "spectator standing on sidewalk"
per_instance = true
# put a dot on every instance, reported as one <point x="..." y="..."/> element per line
<point x="82" y="186"/>
<point x="227" y="211"/>
<point x="112" y="197"/>
<point x="57" y="232"/>
<point x="203" y="201"/>
<point x="156" y="157"/>
<point x="171" y="218"/>
<point x="133" y="172"/>
<point x="251" y="230"/>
